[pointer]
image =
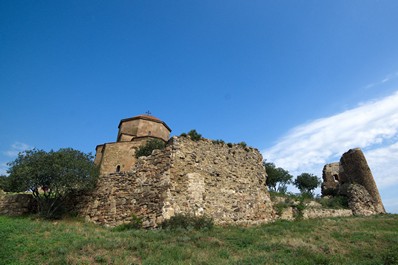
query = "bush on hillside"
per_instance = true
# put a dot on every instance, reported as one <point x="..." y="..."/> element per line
<point x="193" y="134"/>
<point x="335" y="202"/>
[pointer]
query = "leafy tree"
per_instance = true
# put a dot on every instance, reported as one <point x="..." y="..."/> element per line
<point x="52" y="177"/>
<point x="278" y="178"/>
<point x="3" y="183"/>
<point x="149" y="146"/>
<point x="306" y="183"/>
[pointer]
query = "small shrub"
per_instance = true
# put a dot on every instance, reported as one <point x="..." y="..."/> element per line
<point x="229" y="145"/>
<point x="218" y="142"/>
<point x="188" y="222"/>
<point x="300" y="210"/>
<point x="335" y="202"/>
<point x="243" y="144"/>
<point x="146" y="149"/>
<point x="195" y="136"/>
<point x="280" y="207"/>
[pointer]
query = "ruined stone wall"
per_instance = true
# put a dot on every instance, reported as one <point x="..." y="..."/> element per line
<point x="16" y="204"/>
<point x="288" y="209"/>
<point x="331" y="177"/>
<point x="140" y="192"/>
<point x="226" y="183"/>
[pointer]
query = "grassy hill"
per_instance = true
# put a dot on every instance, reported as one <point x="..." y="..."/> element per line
<point x="353" y="240"/>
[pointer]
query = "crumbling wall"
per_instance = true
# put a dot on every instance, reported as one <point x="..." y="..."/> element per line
<point x="16" y="204"/>
<point x="360" y="201"/>
<point x="331" y="177"/>
<point x="224" y="182"/>
<point x="140" y="192"/>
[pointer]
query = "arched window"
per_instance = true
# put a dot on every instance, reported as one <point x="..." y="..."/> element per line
<point x="118" y="168"/>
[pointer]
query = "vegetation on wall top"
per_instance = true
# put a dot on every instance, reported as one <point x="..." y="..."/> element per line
<point x="149" y="146"/>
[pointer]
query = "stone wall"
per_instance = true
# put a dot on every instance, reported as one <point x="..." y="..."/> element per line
<point x="226" y="183"/>
<point x="201" y="178"/>
<point x="139" y="192"/>
<point x="16" y="204"/>
<point x="311" y="209"/>
<point x="360" y="201"/>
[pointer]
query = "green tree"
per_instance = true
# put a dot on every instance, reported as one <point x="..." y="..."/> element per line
<point x="149" y="146"/>
<point x="52" y="177"/>
<point x="3" y="183"/>
<point x="278" y="178"/>
<point x="307" y="183"/>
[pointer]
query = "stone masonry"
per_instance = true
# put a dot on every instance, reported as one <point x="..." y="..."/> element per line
<point x="187" y="177"/>
<point x="352" y="177"/>
<point x="16" y="204"/>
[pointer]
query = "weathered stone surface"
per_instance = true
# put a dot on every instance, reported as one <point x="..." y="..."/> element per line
<point x="357" y="171"/>
<point x="200" y="178"/>
<point x="312" y="209"/>
<point x="16" y="204"/>
<point x="360" y="201"/>
<point x="353" y="169"/>
<point x="330" y="176"/>
<point x="310" y="213"/>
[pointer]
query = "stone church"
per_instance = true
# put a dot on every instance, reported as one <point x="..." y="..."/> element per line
<point x="133" y="132"/>
<point x="226" y="182"/>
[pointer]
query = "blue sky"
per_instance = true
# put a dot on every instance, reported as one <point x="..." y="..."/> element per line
<point x="302" y="81"/>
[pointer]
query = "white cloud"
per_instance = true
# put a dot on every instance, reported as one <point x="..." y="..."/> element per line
<point x="372" y="126"/>
<point x="16" y="148"/>
<point x="383" y="163"/>
<point x="11" y="153"/>
<point x="391" y="205"/>
<point x="3" y="169"/>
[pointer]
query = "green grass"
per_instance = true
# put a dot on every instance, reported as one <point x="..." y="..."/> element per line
<point x="354" y="240"/>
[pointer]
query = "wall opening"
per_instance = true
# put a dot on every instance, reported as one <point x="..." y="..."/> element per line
<point x="118" y="168"/>
<point x="336" y="178"/>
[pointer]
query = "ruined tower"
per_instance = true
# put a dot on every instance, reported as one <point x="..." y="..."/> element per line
<point x="353" y="178"/>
